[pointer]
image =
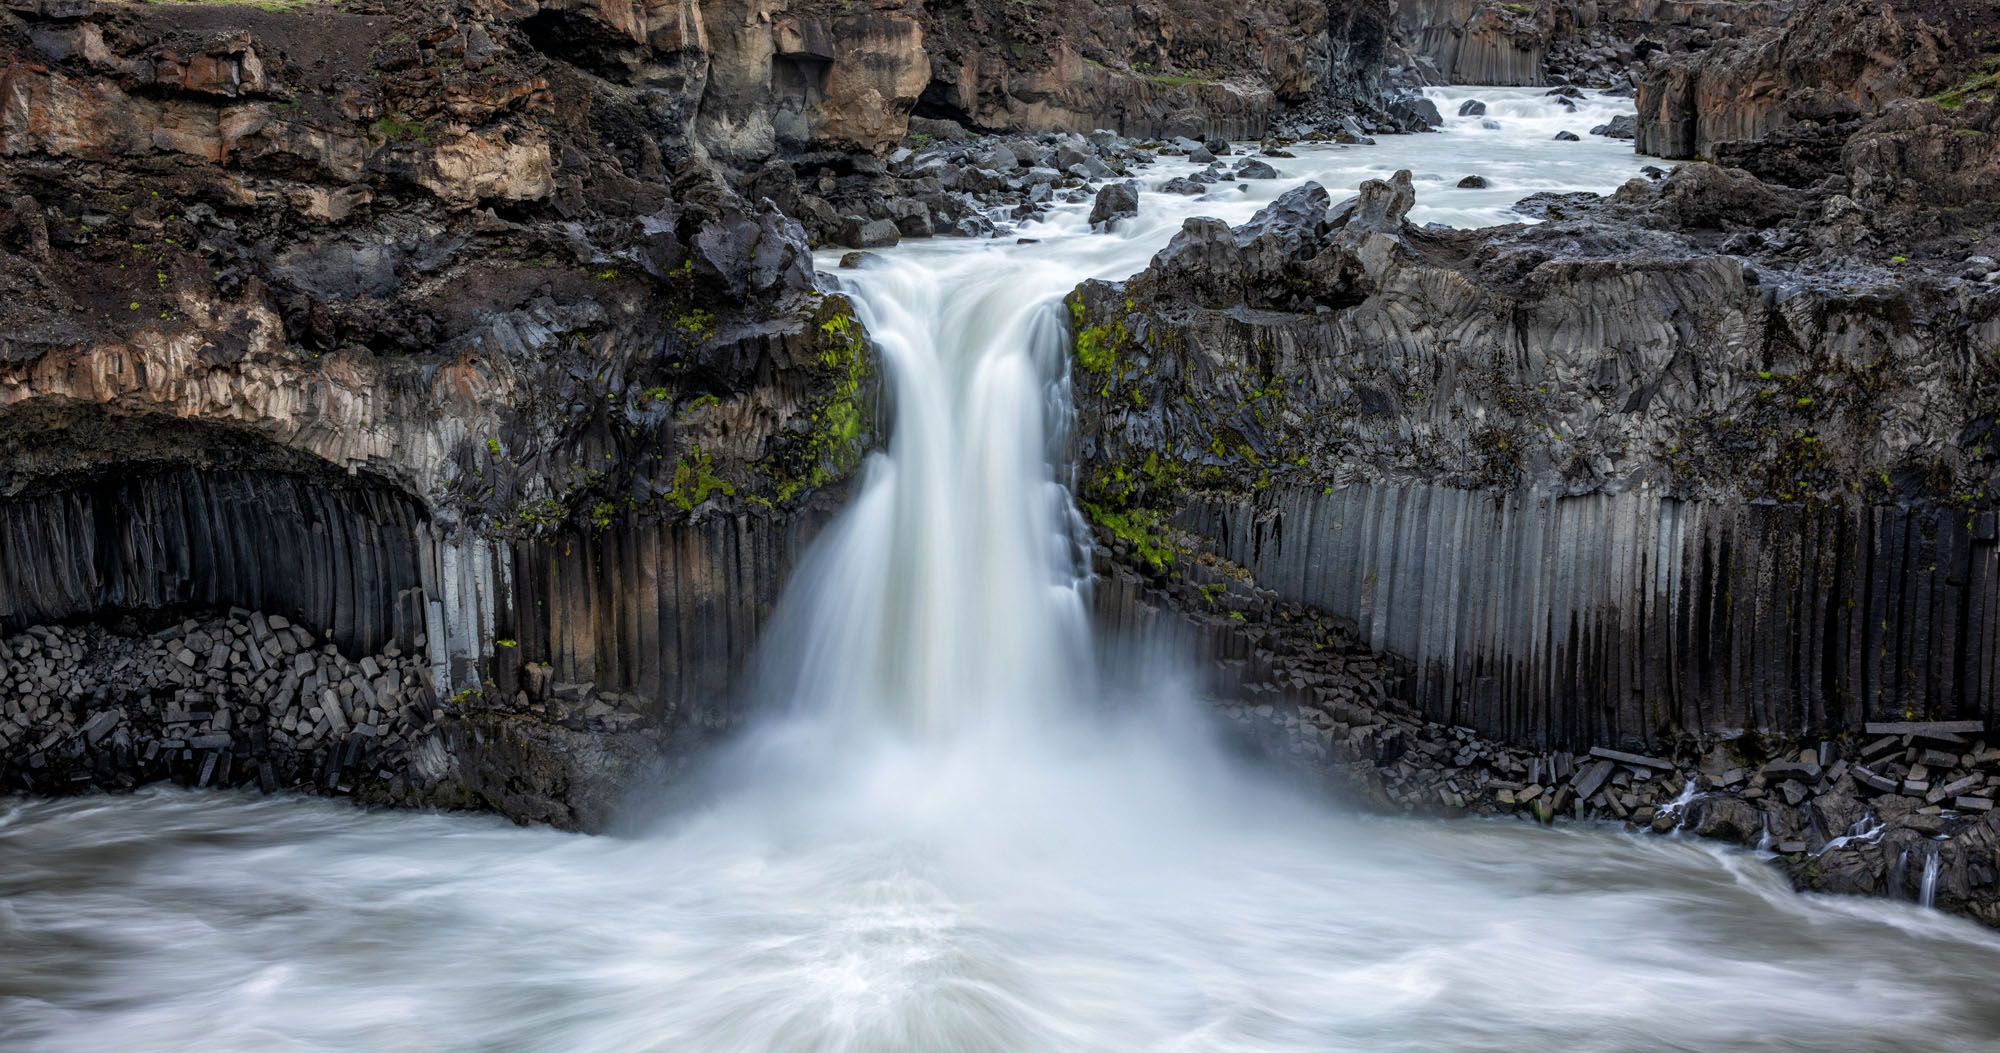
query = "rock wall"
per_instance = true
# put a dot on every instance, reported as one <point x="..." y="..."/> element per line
<point x="394" y="323"/>
<point x="1830" y="61"/>
<point x="324" y="552"/>
<point x="1600" y="44"/>
<point x="1627" y="619"/>
<point x="1602" y="486"/>
<point x="1472" y="42"/>
<point x="1176" y="68"/>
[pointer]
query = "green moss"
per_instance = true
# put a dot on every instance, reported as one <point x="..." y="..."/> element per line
<point x="1141" y="528"/>
<point x="697" y="321"/>
<point x="493" y="446"/>
<point x="1097" y="347"/>
<point x="1985" y="82"/>
<point x="838" y="381"/>
<point x="695" y="481"/>
<point x="400" y="129"/>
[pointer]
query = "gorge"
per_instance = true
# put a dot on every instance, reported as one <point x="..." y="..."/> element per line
<point x="1009" y="526"/>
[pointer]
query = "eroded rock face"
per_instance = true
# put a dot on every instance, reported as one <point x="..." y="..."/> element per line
<point x="1830" y="62"/>
<point x="1599" y="44"/>
<point x="1182" y="67"/>
<point x="410" y="325"/>
<point x="1596" y="478"/>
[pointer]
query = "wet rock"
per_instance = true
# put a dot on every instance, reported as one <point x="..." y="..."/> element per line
<point x="1472" y="108"/>
<point x="1410" y="111"/>
<point x="1114" y="202"/>
<point x="1567" y="137"/>
<point x="861" y="233"/>
<point x="1472" y="182"/>
<point x="1251" y="168"/>
<point x="1623" y="126"/>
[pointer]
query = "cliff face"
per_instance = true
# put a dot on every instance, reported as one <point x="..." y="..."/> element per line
<point x="422" y="328"/>
<point x="1831" y="62"/>
<point x="1565" y="41"/>
<point x="445" y="334"/>
<point x="1159" y="69"/>
<point x="1600" y="482"/>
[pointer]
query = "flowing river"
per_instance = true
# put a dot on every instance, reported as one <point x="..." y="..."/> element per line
<point x="951" y="830"/>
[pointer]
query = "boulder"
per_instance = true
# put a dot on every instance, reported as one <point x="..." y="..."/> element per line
<point x="1623" y="126"/>
<point x="857" y="232"/>
<point x="1114" y="202"/>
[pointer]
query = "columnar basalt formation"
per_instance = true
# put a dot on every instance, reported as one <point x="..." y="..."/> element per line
<point x="466" y="330"/>
<point x="414" y="325"/>
<point x="1829" y="64"/>
<point x="1175" y="68"/>
<point x="1601" y="485"/>
<point x="1897" y="808"/>
<point x="1563" y="42"/>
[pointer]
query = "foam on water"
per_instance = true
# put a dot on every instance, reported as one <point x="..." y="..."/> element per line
<point x="951" y="832"/>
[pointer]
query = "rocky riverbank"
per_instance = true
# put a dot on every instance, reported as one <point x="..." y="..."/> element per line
<point x="250" y="700"/>
<point x="1690" y="480"/>
<point x="1895" y="808"/>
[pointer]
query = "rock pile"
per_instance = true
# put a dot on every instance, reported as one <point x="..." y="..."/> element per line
<point x="254" y="699"/>
<point x="222" y="702"/>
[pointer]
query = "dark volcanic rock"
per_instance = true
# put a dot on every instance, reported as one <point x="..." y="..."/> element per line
<point x="1623" y="126"/>
<point x="439" y="330"/>
<point x="1472" y="182"/>
<point x="1115" y="202"/>
<point x="1342" y="405"/>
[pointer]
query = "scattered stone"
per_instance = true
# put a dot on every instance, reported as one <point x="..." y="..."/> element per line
<point x="1568" y="137"/>
<point x="1633" y="759"/>
<point x="1926" y="728"/>
<point x="1114" y="202"/>
<point x="1623" y="126"/>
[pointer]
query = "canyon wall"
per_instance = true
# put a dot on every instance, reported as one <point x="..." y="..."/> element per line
<point x="1598" y="482"/>
<point x="1831" y="63"/>
<point x="466" y="330"/>
<point x="424" y="329"/>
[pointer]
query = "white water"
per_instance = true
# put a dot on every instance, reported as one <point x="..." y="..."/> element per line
<point x="948" y="837"/>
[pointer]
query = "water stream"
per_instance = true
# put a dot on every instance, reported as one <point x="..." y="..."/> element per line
<point x="944" y="836"/>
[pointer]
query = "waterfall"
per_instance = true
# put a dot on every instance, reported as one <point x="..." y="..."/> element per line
<point x="951" y="593"/>
<point x="1927" y="885"/>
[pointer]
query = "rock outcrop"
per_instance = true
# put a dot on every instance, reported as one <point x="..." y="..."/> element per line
<point x="1181" y="67"/>
<point x="1830" y="63"/>
<point x="428" y="328"/>
<point x="1602" y="483"/>
<point x="1563" y="41"/>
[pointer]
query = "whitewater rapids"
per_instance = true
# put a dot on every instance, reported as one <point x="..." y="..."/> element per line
<point x="952" y="831"/>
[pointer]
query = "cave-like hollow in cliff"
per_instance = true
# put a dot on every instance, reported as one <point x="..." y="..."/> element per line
<point x="135" y="521"/>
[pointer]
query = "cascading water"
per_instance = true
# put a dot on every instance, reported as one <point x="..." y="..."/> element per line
<point x="941" y="840"/>
<point x="1927" y="883"/>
